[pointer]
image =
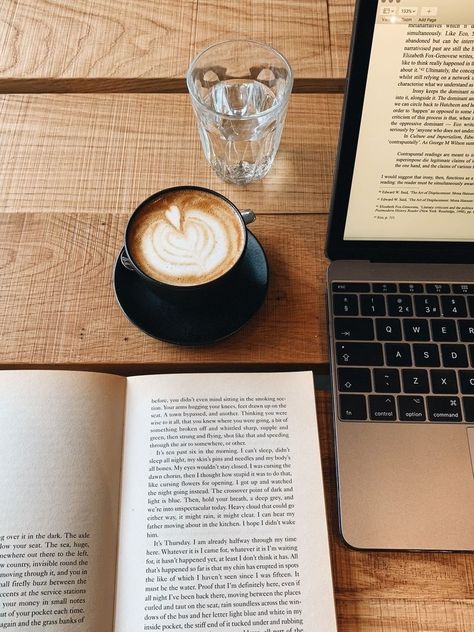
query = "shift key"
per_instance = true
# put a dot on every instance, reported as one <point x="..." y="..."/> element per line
<point x="359" y="353"/>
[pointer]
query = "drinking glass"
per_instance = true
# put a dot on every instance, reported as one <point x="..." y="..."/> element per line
<point x="240" y="91"/>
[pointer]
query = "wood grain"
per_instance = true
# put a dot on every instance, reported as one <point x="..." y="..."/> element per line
<point x="341" y="14"/>
<point x="411" y="614"/>
<point x="75" y="165"/>
<point x="106" y="153"/>
<point x="397" y="591"/>
<point x="59" y="308"/>
<point x="147" y="39"/>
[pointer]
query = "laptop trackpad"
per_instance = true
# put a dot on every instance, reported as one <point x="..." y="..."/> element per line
<point x="470" y="438"/>
<point x="407" y="486"/>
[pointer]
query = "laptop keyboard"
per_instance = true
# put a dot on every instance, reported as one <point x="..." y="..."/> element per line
<point x="404" y="351"/>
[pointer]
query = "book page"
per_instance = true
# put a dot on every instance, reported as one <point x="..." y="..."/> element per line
<point x="60" y="454"/>
<point x="222" y="520"/>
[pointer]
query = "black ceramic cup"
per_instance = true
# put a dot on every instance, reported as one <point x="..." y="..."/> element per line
<point x="186" y="242"/>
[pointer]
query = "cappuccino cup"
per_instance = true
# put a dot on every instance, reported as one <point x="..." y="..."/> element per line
<point x="186" y="240"/>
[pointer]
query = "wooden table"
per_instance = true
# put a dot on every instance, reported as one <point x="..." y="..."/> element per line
<point x="90" y="90"/>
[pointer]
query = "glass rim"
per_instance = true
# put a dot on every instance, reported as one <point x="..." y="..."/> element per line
<point x="238" y="117"/>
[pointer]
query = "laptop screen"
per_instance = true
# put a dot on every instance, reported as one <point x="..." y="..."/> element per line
<point x="409" y="172"/>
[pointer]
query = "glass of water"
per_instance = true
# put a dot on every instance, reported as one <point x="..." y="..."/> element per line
<point x="240" y="91"/>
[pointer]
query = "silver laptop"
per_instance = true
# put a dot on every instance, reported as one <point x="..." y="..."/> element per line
<point x="401" y="279"/>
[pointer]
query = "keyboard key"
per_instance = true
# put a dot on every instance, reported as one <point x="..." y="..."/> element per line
<point x="443" y="382"/>
<point x="454" y="306"/>
<point x="398" y="354"/>
<point x="415" y="381"/>
<point x="388" y="329"/>
<point x="416" y="329"/>
<point x="463" y="288"/>
<point x="350" y="287"/>
<point x="359" y="353"/>
<point x="399" y="305"/>
<point x="354" y="380"/>
<point x="354" y="328"/>
<point x="427" y="305"/>
<point x="386" y="381"/>
<point x="468" y="405"/>
<point x="345" y="305"/>
<point x="444" y="330"/>
<point x="384" y="287"/>
<point x="444" y="408"/>
<point x="382" y="407"/>
<point x="466" y="330"/>
<point x="438" y="288"/>
<point x="411" y="408"/>
<point x="454" y="355"/>
<point x="470" y="302"/>
<point x="411" y="288"/>
<point x="426" y="355"/>
<point x="466" y="379"/>
<point x="352" y="407"/>
<point x="372" y="305"/>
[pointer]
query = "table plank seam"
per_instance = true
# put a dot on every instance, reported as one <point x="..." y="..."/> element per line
<point x="142" y="85"/>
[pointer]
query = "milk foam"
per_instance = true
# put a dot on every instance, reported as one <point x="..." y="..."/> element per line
<point x="187" y="240"/>
<point x="196" y="248"/>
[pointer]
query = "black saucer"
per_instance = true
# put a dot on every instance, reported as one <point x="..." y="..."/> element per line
<point x="191" y="323"/>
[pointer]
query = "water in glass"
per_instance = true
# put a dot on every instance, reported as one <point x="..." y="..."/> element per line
<point x="242" y="140"/>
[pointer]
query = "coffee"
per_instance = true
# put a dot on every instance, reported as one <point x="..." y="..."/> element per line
<point x="186" y="237"/>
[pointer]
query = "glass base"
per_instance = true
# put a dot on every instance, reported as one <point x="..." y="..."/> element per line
<point x="243" y="172"/>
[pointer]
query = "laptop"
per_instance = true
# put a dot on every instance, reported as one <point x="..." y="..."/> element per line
<point x="401" y="279"/>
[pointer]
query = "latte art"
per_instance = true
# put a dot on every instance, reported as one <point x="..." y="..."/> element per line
<point x="190" y="248"/>
<point x="187" y="238"/>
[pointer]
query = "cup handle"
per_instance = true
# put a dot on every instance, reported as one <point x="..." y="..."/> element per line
<point x="248" y="216"/>
<point x="125" y="261"/>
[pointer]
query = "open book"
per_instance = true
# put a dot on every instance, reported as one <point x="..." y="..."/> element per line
<point x="172" y="502"/>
